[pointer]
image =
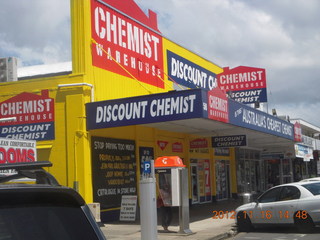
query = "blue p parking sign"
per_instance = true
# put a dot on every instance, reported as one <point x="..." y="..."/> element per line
<point x="146" y="167"/>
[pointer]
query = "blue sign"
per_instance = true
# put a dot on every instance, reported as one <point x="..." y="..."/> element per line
<point x="32" y="131"/>
<point x="170" y="106"/>
<point x="146" y="167"/>
<point x="249" y="96"/>
<point x="244" y="116"/>
<point x="188" y="74"/>
<point x="229" y="141"/>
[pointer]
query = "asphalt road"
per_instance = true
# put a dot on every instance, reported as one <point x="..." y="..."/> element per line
<point x="277" y="234"/>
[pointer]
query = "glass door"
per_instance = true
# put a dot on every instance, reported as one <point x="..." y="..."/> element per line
<point x="194" y="183"/>
<point x="222" y="179"/>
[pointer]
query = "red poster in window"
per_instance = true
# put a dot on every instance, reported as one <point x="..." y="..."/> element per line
<point x="207" y="177"/>
<point x="177" y="147"/>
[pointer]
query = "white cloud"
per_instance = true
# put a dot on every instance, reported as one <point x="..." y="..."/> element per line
<point x="281" y="36"/>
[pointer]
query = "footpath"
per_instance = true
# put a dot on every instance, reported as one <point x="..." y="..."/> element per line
<point x="205" y="224"/>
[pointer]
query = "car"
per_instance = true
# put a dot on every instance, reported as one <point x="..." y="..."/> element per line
<point x="294" y="204"/>
<point x="311" y="179"/>
<point x="42" y="209"/>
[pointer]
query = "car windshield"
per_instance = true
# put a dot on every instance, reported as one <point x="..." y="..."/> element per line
<point x="313" y="187"/>
<point x="44" y="222"/>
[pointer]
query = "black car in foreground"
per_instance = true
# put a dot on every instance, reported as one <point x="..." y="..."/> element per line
<point x="43" y="210"/>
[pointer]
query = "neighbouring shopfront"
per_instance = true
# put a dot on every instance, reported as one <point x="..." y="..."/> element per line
<point x="250" y="171"/>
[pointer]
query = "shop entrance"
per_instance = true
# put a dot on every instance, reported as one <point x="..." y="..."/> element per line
<point x="223" y="179"/>
<point x="200" y="181"/>
<point x="194" y="183"/>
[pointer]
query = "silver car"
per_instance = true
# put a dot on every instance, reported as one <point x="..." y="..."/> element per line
<point x="295" y="204"/>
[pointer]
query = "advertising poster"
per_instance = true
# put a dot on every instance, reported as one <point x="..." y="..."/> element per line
<point x="113" y="170"/>
<point x="16" y="151"/>
<point x="207" y="179"/>
<point x="34" y="117"/>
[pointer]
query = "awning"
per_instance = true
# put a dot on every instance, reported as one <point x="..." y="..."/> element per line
<point x="196" y="112"/>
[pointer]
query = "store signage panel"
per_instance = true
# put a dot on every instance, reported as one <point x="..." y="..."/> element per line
<point x="304" y="152"/>
<point x="244" y="116"/>
<point x="244" y="84"/>
<point x="189" y="74"/>
<point x="218" y="105"/>
<point x="123" y="46"/>
<point x="162" y="107"/>
<point x="113" y="170"/>
<point x="34" y="117"/>
<point x="222" y="152"/>
<point x="297" y="132"/>
<point x="199" y="143"/>
<point x="229" y="141"/>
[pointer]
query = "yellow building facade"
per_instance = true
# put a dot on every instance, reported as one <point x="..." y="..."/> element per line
<point x="105" y="69"/>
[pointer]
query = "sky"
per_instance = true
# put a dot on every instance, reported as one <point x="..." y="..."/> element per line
<point x="281" y="36"/>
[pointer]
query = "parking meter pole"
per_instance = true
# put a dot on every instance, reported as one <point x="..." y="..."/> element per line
<point x="184" y="218"/>
<point x="148" y="206"/>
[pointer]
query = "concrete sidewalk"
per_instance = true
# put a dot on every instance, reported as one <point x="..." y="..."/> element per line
<point x="202" y="225"/>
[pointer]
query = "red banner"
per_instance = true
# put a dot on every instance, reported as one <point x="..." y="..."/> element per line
<point x="218" y="105"/>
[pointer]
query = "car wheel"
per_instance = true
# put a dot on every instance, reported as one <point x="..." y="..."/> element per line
<point x="305" y="224"/>
<point x="244" y="222"/>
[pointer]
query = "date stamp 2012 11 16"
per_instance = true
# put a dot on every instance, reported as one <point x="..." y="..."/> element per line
<point x="261" y="214"/>
<point x="224" y="214"/>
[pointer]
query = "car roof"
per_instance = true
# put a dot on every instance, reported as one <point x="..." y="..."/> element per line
<point x="44" y="189"/>
<point x="40" y="194"/>
<point x="297" y="183"/>
<point x="311" y="179"/>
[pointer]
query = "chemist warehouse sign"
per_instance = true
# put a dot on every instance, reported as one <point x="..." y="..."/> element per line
<point x="244" y="84"/>
<point x="146" y="109"/>
<point x="122" y="43"/>
<point x="34" y="117"/>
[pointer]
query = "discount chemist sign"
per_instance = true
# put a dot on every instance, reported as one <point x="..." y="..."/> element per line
<point x="147" y="109"/>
